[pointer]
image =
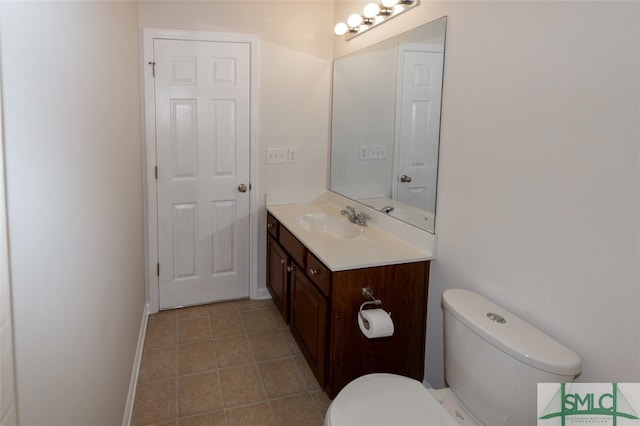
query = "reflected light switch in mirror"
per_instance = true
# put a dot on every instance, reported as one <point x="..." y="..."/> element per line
<point x="293" y="154"/>
<point x="364" y="152"/>
<point x="377" y="152"/>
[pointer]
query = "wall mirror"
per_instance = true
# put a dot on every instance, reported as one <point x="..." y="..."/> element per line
<point x="386" y="124"/>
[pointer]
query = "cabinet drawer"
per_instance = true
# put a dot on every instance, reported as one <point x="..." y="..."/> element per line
<point x="292" y="245"/>
<point x="272" y="226"/>
<point x="319" y="274"/>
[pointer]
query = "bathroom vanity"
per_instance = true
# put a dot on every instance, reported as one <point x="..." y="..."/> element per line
<point x="317" y="265"/>
<point x="318" y="262"/>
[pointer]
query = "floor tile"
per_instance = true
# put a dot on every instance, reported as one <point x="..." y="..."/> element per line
<point x="197" y="357"/>
<point x="227" y="325"/>
<point x="199" y="393"/>
<point x="281" y="377"/>
<point x="169" y="315"/>
<point x="193" y="312"/>
<point x="158" y="364"/>
<point x="296" y="410"/>
<point x="291" y="342"/>
<point x="322" y="401"/>
<point x="193" y="330"/>
<point x="169" y="423"/>
<point x="257" y="321"/>
<point x="228" y="363"/>
<point x="224" y="308"/>
<point x="155" y="402"/>
<point x="241" y="385"/>
<point x="215" y="418"/>
<point x="250" y="415"/>
<point x="277" y="317"/>
<point x="160" y="334"/>
<point x="252" y="305"/>
<point x="234" y="351"/>
<point x="268" y="345"/>
<point x="307" y="374"/>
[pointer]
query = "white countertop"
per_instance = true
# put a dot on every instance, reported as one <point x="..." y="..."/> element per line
<point x="374" y="245"/>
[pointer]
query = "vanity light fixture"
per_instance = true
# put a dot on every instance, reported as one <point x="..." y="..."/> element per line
<point x="354" y="20"/>
<point x="372" y="15"/>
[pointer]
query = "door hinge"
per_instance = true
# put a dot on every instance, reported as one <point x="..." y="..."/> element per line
<point x="153" y="68"/>
<point x="158" y="268"/>
<point x="156" y="172"/>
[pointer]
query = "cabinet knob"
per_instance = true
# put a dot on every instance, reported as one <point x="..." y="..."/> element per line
<point x="283" y="261"/>
<point x="270" y="225"/>
<point x="290" y="268"/>
<point x="312" y="271"/>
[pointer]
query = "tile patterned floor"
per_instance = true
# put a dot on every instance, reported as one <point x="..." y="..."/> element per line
<point x="232" y="363"/>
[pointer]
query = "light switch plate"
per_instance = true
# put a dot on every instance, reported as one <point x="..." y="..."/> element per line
<point x="276" y="155"/>
<point x="364" y="152"/>
<point x="293" y="154"/>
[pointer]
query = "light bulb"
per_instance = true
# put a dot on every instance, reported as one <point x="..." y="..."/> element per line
<point x="371" y="10"/>
<point x="354" y="20"/>
<point x="389" y="3"/>
<point x="398" y="8"/>
<point x="340" y="29"/>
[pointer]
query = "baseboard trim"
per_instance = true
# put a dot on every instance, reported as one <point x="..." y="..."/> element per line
<point x="262" y="293"/>
<point x="128" y="411"/>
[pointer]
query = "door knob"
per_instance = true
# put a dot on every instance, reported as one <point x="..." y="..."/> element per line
<point x="405" y="179"/>
<point x="242" y="187"/>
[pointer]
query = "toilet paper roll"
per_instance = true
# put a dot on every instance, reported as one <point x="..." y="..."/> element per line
<point x="375" y="323"/>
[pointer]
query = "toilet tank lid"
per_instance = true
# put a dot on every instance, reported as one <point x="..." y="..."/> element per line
<point x="515" y="337"/>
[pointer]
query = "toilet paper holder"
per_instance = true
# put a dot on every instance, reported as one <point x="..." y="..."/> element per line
<point x="368" y="293"/>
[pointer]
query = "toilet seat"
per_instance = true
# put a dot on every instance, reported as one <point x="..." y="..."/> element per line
<point x="386" y="399"/>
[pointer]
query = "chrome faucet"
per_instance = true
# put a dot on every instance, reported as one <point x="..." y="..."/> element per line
<point x="357" y="218"/>
<point x="387" y="209"/>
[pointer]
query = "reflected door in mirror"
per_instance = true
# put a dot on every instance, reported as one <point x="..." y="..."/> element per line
<point x="419" y="99"/>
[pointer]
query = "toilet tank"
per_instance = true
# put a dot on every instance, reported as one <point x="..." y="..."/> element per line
<point x="492" y="366"/>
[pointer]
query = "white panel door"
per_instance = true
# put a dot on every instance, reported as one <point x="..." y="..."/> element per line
<point x="419" y="94"/>
<point x="202" y="95"/>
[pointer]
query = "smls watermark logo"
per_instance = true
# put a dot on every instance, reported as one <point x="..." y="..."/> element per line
<point x="563" y="404"/>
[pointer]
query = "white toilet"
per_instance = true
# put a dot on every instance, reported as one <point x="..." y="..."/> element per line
<point x="493" y="362"/>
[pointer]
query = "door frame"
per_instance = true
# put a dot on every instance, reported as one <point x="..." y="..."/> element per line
<point x="149" y="154"/>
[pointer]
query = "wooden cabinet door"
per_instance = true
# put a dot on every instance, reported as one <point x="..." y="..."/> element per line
<point x="277" y="276"/>
<point x="309" y="322"/>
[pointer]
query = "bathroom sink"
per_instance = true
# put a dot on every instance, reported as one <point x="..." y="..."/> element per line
<point x="337" y="227"/>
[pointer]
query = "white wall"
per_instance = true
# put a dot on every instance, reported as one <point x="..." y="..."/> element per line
<point x="538" y="191"/>
<point x="8" y="403"/>
<point x="73" y="157"/>
<point x="294" y="80"/>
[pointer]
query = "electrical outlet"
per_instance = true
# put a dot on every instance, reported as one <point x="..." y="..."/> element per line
<point x="276" y="155"/>
<point x="364" y="152"/>
<point x="377" y="152"/>
<point x="293" y="154"/>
